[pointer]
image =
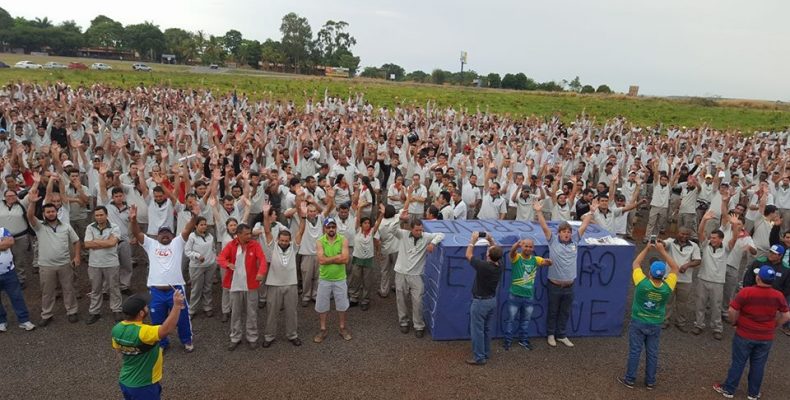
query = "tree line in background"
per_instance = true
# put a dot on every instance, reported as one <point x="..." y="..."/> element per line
<point x="517" y="81"/>
<point x="298" y="50"/>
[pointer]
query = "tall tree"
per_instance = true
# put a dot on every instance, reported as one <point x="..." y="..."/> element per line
<point x="214" y="52"/>
<point x="271" y="52"/>
<point x="232" y="41"/>
<point x="418" y="76"/>
<point x="297" y="40"/>
<point x="249" y="53"/>
<point x="146" y="39"/>
<point x="66" y="38"/>
<point x="333" y="41"/>
<point x="104" y="32"/>
<point x="182" y="44"/>
<point x="372" y="72"/>
<point x="390" y="69"/>
<point x="494" y="81"/>
<point x="575" y="85"/>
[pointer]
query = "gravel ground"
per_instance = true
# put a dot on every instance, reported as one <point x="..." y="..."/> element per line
<point x="75" y="361"/>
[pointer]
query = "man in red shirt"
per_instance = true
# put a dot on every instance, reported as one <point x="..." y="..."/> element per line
<point x="756" y="312"/>
<point x="245" y="266"/>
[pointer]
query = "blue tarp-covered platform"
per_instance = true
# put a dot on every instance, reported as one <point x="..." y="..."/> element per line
<point x="601" y="287"/>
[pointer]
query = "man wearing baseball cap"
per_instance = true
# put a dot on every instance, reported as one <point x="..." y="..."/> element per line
<point x="164" y="273"/>
<point x="332" y="252"/>
<point x="138" y="343"/>
<point x="754" y="313"/>
<point x="647" y="313"/>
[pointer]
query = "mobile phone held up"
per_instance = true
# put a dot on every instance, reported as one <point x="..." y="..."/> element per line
<point x="481" y="234"/>
<point x="652" y="239"/>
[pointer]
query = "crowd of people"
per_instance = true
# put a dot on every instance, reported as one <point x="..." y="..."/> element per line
<point x="293" y="205"/>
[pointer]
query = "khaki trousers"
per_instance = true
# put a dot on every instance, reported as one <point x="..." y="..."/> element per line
<point x="278" y="297"/>
<point x="361" y="284"/>
<point x="202" y="279"/>
<point x="679" y="306"/>
<point x="387" y="273"/>
<point x="409" y="287"/>
<point x="23" y="256"/>
<point x="125" y="261"/>
<point x="106" y="277"/>
<point x="309" y="267"/>
<point x="244" y="307"/>
<point x="709" y="294"/>
<point x="49" y="278"/>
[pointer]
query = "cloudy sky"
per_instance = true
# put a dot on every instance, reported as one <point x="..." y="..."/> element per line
<point x="723" y="48"/>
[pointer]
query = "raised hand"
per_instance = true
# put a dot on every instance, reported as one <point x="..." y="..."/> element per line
<point x="132" y="212"/>
<point x="538" y="206"/>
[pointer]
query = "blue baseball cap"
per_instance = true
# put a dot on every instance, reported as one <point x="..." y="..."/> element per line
<point x="778" y="249"/>
<point x="658" y="269"/>
<point x="766" y="273"/>
<point x="329" y="221"/>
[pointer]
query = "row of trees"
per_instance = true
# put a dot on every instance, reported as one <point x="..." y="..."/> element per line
<point x="298" y="50"/>
<point x="517" y="81"/>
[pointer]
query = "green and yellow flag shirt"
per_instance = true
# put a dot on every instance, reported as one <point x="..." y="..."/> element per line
<point x="332" y="272"/>
<point x="142" y="356"/>
<point x="650" y="301"/>
<point x="522" y="275"/>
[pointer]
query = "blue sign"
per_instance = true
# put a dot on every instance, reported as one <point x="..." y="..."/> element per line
<point x="600" y="290"/>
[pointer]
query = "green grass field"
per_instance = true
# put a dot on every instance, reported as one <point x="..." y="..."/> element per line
<point x="747" y="116"/>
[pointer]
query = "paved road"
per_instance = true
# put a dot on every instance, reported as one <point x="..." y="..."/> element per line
<point x="75" y="361"/>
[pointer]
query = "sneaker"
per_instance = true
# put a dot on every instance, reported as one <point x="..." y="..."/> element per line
<point x="567" y="342"/>
<point x="45" y="321"/>
<point x="649" y="386"/>
<point x="4" y="327"/>
<point x="28" y="326"/>
<point x="525" y="344"/>
<point x="682" y="328"/>
<point x="506" y="345"/>
<point x="295" y="341"/>
<point x="624" y="382"/>
<point x="364" y="306"/>
<point x="92" y="319"/>
<point x="472" y="361"/>
<point x="717" y="335"/>
<point x="696" y="331"/>
<point x="419" y="333"/>
<point x="786" y="331"/>
<point x="320" y="336"/>
<point x="267" y="343"/>
<point x="73" y="318"/>
<point x="720" y="390"/>
<point x="551" y="341"/>
<point x="188" y="348"/>
<point x="232" y="346"/>
<point x="750" y="397"/>
<point x="404" y="329"/>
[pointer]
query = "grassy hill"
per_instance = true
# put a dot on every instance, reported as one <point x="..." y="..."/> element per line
<point x="747" y="116"/>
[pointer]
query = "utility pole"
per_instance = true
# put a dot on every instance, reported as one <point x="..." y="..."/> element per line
<point x="463" y="61"/>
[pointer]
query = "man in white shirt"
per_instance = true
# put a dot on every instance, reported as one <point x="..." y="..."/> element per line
<point x="460" y="209"/>
<point x="416" y="194"/>
<point x="659" y="205"/>
<point x="494" y="205"/>
<point x="686" y="254"/>
<point x="782" y="201"/>
<point x="164" y="274"/>
<point x="712" y="276"/>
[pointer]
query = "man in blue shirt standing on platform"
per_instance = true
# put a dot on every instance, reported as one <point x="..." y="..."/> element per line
<point x="563" y="249"/>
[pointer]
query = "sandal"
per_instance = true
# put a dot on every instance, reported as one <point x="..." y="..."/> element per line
<point x="345" y="334"/>
<point x="320" y="336"/>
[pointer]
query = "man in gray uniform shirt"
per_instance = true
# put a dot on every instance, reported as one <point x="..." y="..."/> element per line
<point x="412" y="248"/>
<point x="56" y="242"/>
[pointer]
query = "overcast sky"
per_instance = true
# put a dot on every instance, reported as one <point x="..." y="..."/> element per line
<point x="724" y="48"/>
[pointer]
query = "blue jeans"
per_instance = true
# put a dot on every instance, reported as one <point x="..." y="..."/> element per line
<point x="560" y="302"/>
<point x="481" y="315"/>
<point x="9" y="283"/>
<point x="754" y="351"/>
<point x="642" y="335"/>
<point x="161" y="303"/>
<point x="521" y="307"/>
<point x="149" y="392"/>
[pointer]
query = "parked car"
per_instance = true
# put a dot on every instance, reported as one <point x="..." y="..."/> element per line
<point x="4" y="65"/>
<point x="101" y="66"/>
<point x="77" y="65"/>
<point x="214" y="66"/>
<point x="27" y="65"/>
<point x="141" y="67"/>
<point x="54" y="65"/>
